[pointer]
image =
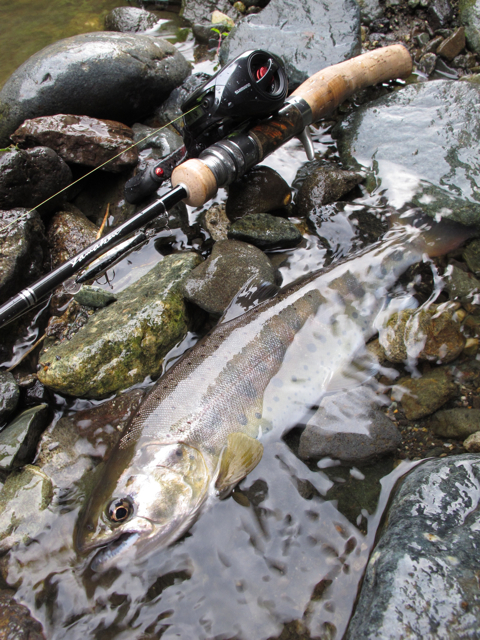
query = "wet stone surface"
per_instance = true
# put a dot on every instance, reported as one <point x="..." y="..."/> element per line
<point x="422" y="573"/>
<point x="231" y="265"/>
<point x="9" y="395"/>
<point x="123" y="78"/>
<point x="433" y="124"/>
<point x="422" y="396"/>
<point x="19" y="439"/>
<point x="296" y="32"/>
<point x="16" y="622"/>
<point x="261" y="190"/>
<point x="349" y="426"/>
<point x="69" y="232"/>
<point x="130" y="19"/>
<point x="165" y="141"/>
<point x="126" y="341"/>
<point x="455" y="423"/>
<point x="81" y="140"/>
<point x="23" y="250"/>
<point x="27" y="178"/>
<point x="265" y="231"/>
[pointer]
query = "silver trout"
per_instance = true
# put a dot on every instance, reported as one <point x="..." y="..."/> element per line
<point x="198" y="431"/>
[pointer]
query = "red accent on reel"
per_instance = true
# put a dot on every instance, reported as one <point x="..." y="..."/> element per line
<point x="261" y="72"/>
<point x="159" y="172"/>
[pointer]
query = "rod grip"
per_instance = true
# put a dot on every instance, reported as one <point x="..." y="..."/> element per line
<point x="198" y="180"/>
<point x="328" y="88"/>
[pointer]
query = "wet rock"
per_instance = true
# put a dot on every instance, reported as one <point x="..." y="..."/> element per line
<point x="307" y="35"/>
<point x="171" y="110"/>
<point x="259" y="191"/>
<point x="81" y="140"/>
<point x="422" y="396"/>
<point x="265" y="231"/>
<point x="427" y="333"/>
<point x="93" y="296"/>
<point x="469" y="15"/>
<point x="79" y="441"/>
<point x="453" y="45"/>
<point x="126" y="341"/>
<point x="9" y="395"/>
<point x="349" y="426"/>
<point x="130" y="19"/>
<point x="232" y="264"/>
<point x="73" y="317"/>
<point x="472" y="443"/>
<point x="199" y="15"/>
<point x="439" y="13"/>
<point x="35" y="394"/>
<point x="102" y="75"/>
<point x="421" y="577"/>
<point x="27" y="178"/>
<point x="23" y="248"/>
<point x="18" y="441"/>
<point x="16" y="622"/>
<point x="455" y="423"/>
<point x="323" y="186"/>
<point x="418" y="157"/>
<point x="69" y="233"/>
<point x="427" y="63"/>
<point x="461" y="285"/>
<point x="471" y="255"/>
<point x="165" y="141"/>
<point x="370" y="10"/>
<point x="102" y="190"/>
<point x="24" y="499"/>
<point x="216" y="222"/>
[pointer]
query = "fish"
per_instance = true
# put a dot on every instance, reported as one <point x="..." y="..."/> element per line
<point x="202" y="428"/>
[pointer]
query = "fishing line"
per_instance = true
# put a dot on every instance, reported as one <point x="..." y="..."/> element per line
<point x="27" y="213"/>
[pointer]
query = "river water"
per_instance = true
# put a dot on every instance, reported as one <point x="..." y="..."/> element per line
<point x="283" y="558"/>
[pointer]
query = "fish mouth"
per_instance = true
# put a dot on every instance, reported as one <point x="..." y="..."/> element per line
<point x="107" y="556"/>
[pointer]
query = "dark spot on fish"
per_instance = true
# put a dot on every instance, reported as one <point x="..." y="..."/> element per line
<point x="354" y="314"/>
<point x="258" y="415"/>
<point x="339" y="341"/>
<point x="276" y="399"/>
<point x="294" y="378"/>
<point x="277" y="382"/>
<point x="178" y="453"/>
<point x="243" y="419"/>
<point x="311" y="347"/>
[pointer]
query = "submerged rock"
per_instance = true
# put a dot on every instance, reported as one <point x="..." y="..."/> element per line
<point x="216" y="222"/>
<point x="92" y="296"/>
<point x="165" y="141"/>
<point x="81" y="140"/>
<point x="306" y="34"/>
<point x="421" y="580"/>
<point x="349" y="426"/>
<point x="23" y="249"/>
<point x="27" y="178"/>
<point x="9" y="394"/>
<point x="171" y="109"/>
<point x="265" y="231"/>
<point x="325" y="184"/>
<point x="69" y="233"/>
<point x="428" y="333"/>
<point x="259" y="191"/>
<point x="422" y="396"/>
<point x="472" y="443"/>
<point x="471" y="255"/>
<point x="126" y="341"/>
<point x="420" y="144"/>
<point x="16" y="622"/>
<point x="103" y="75"/>
<point x="18" y="441"/>
<point x="455" y="423"/>
<point x="130" y="19"/>
<point x="462" y="285"/>
<point x="469" y="15"/>
<point x="232" y="264"/>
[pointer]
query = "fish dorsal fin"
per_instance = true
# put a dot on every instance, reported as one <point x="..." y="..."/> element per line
<point x="240" y="456"/>
<point x="249" y="296"/>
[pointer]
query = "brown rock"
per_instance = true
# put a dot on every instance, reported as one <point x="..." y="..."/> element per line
<point x="472" y="443"/>
<point x="452" y="46"/>
<point x="259" y="191"/>
<point x="81" y="140"/>
<point x="422" y="396"/>
<point x="216" y="222"/>
<point x="69" y="233"/>
<point x="323" y="186"/>
<point x="455" y="423"/>
<point x="16" y="622"/>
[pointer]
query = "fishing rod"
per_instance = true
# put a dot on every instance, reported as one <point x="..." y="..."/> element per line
<point x="226" y="145"/>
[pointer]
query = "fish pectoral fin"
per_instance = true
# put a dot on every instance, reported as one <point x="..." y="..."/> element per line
<point x="240" y="456"/>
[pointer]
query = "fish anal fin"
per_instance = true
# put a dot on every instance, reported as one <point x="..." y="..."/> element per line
<point x="239" y="458"/>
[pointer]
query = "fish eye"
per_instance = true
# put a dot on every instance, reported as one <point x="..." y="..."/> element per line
<point x="119" y="510"/>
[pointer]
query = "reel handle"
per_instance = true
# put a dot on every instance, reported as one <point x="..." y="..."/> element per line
<point x="322" y="93"/>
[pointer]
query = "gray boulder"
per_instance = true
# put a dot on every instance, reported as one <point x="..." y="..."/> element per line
<point x="265" y="231"/>
<point x="9" y="394"/>
<point x="130" y="19"/>
<point x="422" y="577"/>
<point x="103" y="75"/>
<point x="469" y="14"/>
<point x="18" y="441"/>
<point x="421" y="145"/>
<point x="306" y="34"/>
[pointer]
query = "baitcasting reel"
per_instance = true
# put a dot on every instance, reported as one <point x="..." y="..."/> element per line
<point x="250" y="88"/>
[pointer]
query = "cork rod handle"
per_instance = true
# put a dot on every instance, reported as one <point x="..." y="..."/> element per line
<point x="328" y="88"/>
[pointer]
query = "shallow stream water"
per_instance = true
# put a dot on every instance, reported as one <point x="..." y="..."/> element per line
<point x="284" y="556"/>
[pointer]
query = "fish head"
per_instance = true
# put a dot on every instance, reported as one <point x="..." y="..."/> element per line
<point x="149" y="505"/>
